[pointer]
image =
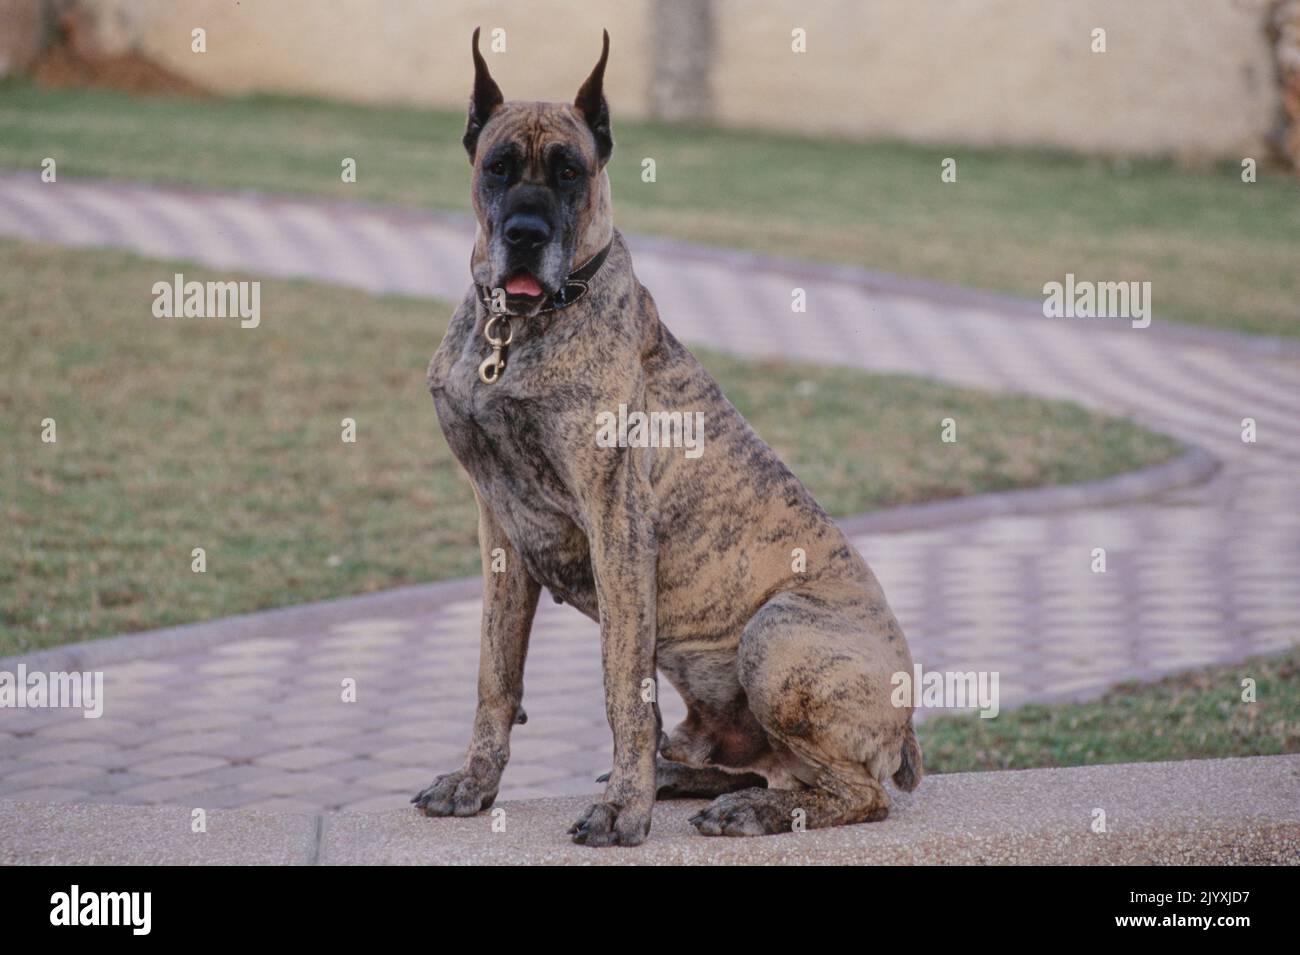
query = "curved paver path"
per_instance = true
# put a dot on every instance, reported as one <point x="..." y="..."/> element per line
<point x="246" y="712"/>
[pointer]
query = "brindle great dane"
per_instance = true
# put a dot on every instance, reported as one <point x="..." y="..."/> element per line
<point x="691" y="566"/>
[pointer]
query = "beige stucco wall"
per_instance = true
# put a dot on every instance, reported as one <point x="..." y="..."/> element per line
<point x="413" y="51"/>
<point x="1180" y="76"/>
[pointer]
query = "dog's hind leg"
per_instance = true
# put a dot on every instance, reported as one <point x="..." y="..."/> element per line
<point x="679" y="781"/>
<point x="817" y="668"/>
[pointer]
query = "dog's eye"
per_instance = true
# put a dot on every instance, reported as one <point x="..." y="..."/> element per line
<point x="498" y="168"/>
<point x="568" y="174"/>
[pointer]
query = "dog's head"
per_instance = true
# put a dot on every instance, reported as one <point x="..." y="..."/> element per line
<point x="540" y="189"/>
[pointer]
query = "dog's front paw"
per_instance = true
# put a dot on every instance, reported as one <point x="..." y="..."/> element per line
<point x="462" y="793"/>
<point x="609" y="824"/>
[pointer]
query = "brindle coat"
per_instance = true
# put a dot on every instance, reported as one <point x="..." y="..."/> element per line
<point x="687" y="564"/>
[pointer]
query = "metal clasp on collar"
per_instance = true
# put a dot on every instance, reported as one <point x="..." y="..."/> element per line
<point x="494" y="364"/>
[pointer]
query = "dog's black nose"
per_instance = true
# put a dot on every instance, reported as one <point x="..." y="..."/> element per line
<point x="525" y="230"/>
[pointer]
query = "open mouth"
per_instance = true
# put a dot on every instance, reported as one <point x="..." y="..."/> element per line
<point x="523" y="285"/>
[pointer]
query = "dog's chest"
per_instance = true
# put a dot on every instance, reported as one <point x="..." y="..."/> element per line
<point x="495" y="430"/>
<point x="506" y="439"/>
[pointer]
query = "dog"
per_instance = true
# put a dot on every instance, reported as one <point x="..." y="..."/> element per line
<point x="720" y="571"/>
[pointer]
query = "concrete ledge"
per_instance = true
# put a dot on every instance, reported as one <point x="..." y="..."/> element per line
<point x="66" y="834"/>
<point x="1226" y="811"/>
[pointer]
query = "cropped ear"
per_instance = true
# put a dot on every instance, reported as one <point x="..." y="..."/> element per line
<point x="591" y="104"/>
<point x="485" y="98"/>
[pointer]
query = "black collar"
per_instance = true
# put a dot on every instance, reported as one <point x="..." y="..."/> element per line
<point x="574" y="287"/>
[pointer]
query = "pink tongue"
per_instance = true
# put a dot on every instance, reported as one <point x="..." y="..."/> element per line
<point x="523" y="284"/>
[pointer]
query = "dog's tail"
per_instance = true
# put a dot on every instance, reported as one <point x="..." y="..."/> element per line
<point x="910" y="770"/>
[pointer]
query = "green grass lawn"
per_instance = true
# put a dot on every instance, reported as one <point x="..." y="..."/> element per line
<point x="175" y="434"/>
<point x="1194" y="715"/>
<point x="1218" y="252"/>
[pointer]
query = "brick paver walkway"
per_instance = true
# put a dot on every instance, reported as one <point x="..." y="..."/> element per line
<point x="1195" y="576"/>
